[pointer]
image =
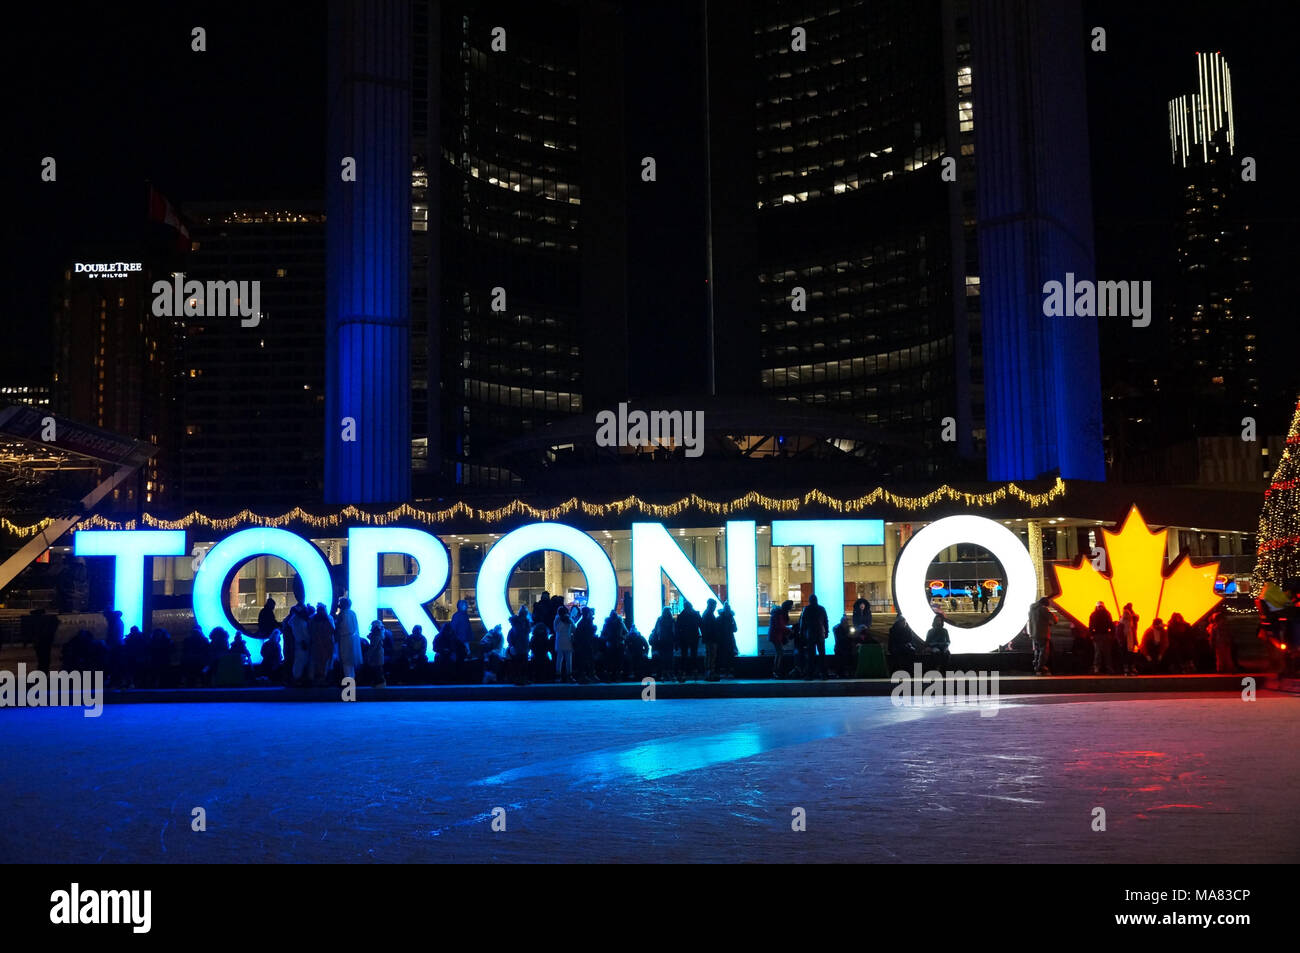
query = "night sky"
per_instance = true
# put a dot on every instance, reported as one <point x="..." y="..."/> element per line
<point x="117" y="96"/>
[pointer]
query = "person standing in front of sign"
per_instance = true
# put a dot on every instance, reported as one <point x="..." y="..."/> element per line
<point x="710" y="635"/>
<point x="1127" y="639"/>
<point x="520" y="625"/>
<point x="688" y="640"/>
<point x="1041" y="619"/>
<point x="349" y="639"/>
<point x="814" y="625"/>
<point x="322" y="644"/>
<point x="563" y="646"/>
<point x="584" y="646"/>
<point x="663" y="640"/>
<point x="1221" y="639"/>
<point x="1101" y="628"/>
<point x="728" y="649"/>
<point x="778" y="633"/>
<point x="937" y="641"/>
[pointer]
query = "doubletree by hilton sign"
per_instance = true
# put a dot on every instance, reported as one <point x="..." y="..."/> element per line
<point x="107" y="269"/>
<point x="654" y="553"/>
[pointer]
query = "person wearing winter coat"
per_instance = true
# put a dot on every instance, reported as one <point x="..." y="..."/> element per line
<point x="448" y="655"/>
<point x="612" y="636"/>
<point x="517" y="647"/>
<point x="727" y="648"/>
<point x="272" y="656"/>
<point x="861" y="614"/>
<point x="349" y="639"/>
<point x="300" y="634"/>
<point x="845" y="647"/>
<point x="194" y="658"/>
<point x="542" y="609"/>
<point x="937" y="641"/>
<point x="1155" y="642"/>
<point x="711" y="636"/>
<point x="460" y="625"/>
<point x="778" y="633"/>
<point x="663" y="639"/>
<point x="266" y="621"/>
<point x="1041" y="619"/>
<point x="563" y="645"/>
<point x="637" y="651"/>
<point x="1221" y="640"/>
<point x="1126" y="638"/>
<point x="491" y="646"/>
<point x="321" y="630"/>
<point x="375" y="655"/>
<point x="902" y="650"/>
<point x="540" y="643"/>
<point x="814" y="626"/>
<point x="584" y="646"/>
<point x="688" y="640"/>
<point x="1101" y="629"/>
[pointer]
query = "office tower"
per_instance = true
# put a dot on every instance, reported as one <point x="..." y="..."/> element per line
<point x="253" y="388"/>
<point x="117" y="364"/>
<point x="829" y="124"/>
<point x="1212" y="376"/>
<point x="611" y="203"/>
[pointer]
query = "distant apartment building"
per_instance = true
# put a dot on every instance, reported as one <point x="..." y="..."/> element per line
<point x="253" y="394"/>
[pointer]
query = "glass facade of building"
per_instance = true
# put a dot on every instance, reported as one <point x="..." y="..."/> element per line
<point x="254" y="397"/>
<point x="852" y="209"/>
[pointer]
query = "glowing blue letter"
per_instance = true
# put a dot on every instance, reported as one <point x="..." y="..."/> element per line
<point x="654" y="552"/>
<point x="407" y="601"/>
<point x="742" y="582"/>
<point x="828" y="539"/>
<point x="500" y="561"/>
<point x="129" y="548"/>
<point x="306" y="559"/>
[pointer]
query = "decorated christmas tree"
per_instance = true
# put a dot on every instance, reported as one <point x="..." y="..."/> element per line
<point x="1278" y="556"/>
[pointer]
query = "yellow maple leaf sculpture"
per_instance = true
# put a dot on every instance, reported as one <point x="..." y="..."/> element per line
<point x="1136" y="559"/>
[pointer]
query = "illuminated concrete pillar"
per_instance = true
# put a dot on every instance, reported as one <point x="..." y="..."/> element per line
<point x="169" y="576"/>
<point x="368" y="253"/>
<point x="1034" y="529"/>
<point x="453" y="587"/>
<point x="553" y="572"/>
<point x="780" y="583"/>
<point x="259" y="571"/>
<point x="1042" y="391"/>
<point x="891" y="557"/>
<point x="1172" y="546"/>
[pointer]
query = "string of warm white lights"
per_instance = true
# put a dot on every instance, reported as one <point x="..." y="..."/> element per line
<point x="517" y="508"/>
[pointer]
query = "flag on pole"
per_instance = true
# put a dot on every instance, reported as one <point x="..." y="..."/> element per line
<point x="163" y="212"/>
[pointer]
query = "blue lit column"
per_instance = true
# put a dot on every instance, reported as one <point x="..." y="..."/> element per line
<point x="1042" y="386"/>
<point x="369" y="255"/>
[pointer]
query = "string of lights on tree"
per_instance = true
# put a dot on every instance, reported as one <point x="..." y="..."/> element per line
<point x="407" y="513"/>
<point x="1278" y="553"/>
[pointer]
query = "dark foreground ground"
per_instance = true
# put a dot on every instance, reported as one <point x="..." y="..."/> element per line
<point x="1205" y="778"/>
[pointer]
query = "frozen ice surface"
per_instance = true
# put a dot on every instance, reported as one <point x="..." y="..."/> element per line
<point x="1182" y="779"/>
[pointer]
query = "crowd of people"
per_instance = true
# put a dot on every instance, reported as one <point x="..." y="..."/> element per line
<point x="556" y="642"/>
<point x="552" y="641"/>
<point x="1109" y="646"/>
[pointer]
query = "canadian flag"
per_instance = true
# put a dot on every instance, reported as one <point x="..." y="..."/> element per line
<point x="162" y="211"/>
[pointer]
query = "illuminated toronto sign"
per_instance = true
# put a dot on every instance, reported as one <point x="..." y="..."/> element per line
<point x="655" y="555"/>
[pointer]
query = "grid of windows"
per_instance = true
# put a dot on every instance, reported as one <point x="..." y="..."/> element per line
<point x="853" y="211"/>
<point x="510" y="204"/>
